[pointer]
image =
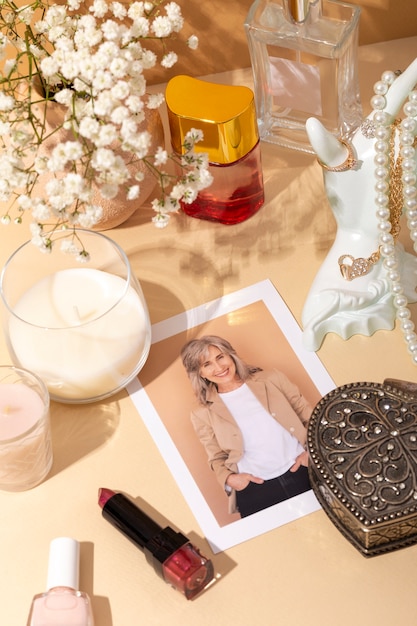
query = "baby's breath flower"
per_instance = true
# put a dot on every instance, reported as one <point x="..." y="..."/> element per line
<point x="24" y="202"/>
<point x="26" y="15"/>
<point x="103" y="159"/>
<point x="136" y="10"/>
<point x="204" y="179"/>
<point x="93" y="67"/>
<point x="148" y="59"/>
<point x="192" y="42"/>
<point x="160" y="220"/>
<point x="111" y="30"/>
<point x="119" y="68"/>
<point x="193" y="136"/>
<point x="161" y="157"/>
<point x="109" y="191"/>
<point x="133" y="192"/>
<point x="64" y="96"/>
<point x="140" y="27"/>
<point x="135" y="104"/>
<point x="89" y="128"/>
<point x="168" y="60"/>
<point x="92" y="214"/>
<point x="40" y="211"/>
<point x="68" y="246"/>
<point x="83" y="256"/>
<point x="9" y="64"/>
<point x="107" y="134"/>
<point x="190" y="194"/>
<point x="5" y="128"/>
<point x="7" y="103"/>
<point x="74" y="5"/>
<point x="119" y="115"/>
<point x="119" y="10"/>
<point x="120" y="90"/>
<point x="99" y="8"/>
<point x="155" y="100"/>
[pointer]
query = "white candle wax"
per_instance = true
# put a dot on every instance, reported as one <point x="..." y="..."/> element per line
<point x="25" y="443"/>
<point x="82" y="330"/>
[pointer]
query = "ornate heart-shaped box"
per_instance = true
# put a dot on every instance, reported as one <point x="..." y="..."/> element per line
<point x="362" y="440"/>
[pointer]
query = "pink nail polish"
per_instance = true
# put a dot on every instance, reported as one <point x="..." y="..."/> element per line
<point x="62" y="604"/>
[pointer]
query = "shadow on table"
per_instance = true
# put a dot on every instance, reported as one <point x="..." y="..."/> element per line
<point x="175" y="279"/>
<point x="78" y="430"/>
<point x="100" y="604"/>
<point x="222" y="562"/>
<point x="175" y="282"/>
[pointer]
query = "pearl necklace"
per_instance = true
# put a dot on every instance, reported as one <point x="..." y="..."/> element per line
<point x="383" y="185"/>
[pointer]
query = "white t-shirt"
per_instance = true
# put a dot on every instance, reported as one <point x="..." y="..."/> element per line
<point x="269" y="449"/>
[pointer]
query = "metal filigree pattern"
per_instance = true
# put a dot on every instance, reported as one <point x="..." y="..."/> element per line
<point x="363" y="446"/>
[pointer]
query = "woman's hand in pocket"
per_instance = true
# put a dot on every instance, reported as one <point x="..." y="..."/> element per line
<point x="302" y="459"/>
<point x="241" y="481"/>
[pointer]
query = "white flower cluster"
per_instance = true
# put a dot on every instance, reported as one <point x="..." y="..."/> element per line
<point x="92" y="63"/>
<point x="196" y="176"/>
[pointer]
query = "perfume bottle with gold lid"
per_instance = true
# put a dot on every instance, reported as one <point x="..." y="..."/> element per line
<point x="226" y="115"/>
<point x="304" y="62"/>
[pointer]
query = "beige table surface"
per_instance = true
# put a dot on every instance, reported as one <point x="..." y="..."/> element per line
<point x="302" y="573"/>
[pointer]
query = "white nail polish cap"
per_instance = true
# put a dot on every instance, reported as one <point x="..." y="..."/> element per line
<point x="64" y="561"/>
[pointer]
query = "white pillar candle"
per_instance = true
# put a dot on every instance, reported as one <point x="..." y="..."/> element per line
<point x="25" y="441"/>
<point x="82" y="330"/>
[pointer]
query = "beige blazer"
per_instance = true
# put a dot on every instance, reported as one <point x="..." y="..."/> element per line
<point x="221" y="436"/>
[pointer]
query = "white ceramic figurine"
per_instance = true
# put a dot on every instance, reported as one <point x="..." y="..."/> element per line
<point x="367" y="279"/>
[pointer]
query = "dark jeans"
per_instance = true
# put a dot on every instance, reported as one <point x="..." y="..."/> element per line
<point x="257" y="497"/>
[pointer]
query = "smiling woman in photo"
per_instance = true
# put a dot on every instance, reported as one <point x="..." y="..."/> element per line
<point x="252" y="424"/>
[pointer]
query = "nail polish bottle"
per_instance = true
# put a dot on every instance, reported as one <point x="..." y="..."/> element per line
<point x="62" y="603"/>
<point x="226" y="115"/>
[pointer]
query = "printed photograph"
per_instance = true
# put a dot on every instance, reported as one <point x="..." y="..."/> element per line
<point x="226" y="394"/>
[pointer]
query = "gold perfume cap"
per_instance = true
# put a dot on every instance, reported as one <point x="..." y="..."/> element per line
<point x="299" y="9"/>
<point x="225" y="113"/>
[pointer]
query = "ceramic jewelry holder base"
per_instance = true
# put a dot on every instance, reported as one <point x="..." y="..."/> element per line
<point x="362" y="440"/>
<point x="365" y="304"/>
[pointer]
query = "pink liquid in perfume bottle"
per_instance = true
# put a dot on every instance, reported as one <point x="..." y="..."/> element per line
<point x="236" y="193"/>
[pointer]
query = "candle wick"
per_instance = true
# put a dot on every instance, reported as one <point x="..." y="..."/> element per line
<point x="77" y="314"/>
<point x="88" y="315"/>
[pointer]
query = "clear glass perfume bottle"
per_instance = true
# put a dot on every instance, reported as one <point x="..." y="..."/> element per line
<point x="304" y="62"/>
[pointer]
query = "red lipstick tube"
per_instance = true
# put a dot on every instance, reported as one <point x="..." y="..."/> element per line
<point x="170" y="553"/>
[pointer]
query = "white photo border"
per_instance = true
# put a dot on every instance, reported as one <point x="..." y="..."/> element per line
<point x="222" y="538"/>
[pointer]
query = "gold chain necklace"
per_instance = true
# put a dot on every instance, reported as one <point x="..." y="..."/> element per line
<point x="351" y="267"/>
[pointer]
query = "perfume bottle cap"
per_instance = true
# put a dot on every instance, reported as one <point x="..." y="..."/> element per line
<point x="299" y="9"/>
<point x="63" y="566"/>
<point x="225" y="113"/>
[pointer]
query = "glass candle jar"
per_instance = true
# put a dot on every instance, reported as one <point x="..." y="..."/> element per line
<point x="25" y="432"/>
<point x="84" y="328"/>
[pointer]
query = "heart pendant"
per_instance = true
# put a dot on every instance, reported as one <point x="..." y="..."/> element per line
<point x="351" y="268"/>
<point x="362" y="440"/>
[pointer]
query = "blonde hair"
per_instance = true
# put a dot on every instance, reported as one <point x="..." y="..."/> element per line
<point x="195" y="352"/>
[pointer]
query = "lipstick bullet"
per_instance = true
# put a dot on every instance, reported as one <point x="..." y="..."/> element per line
<point x="170" y="553"/>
